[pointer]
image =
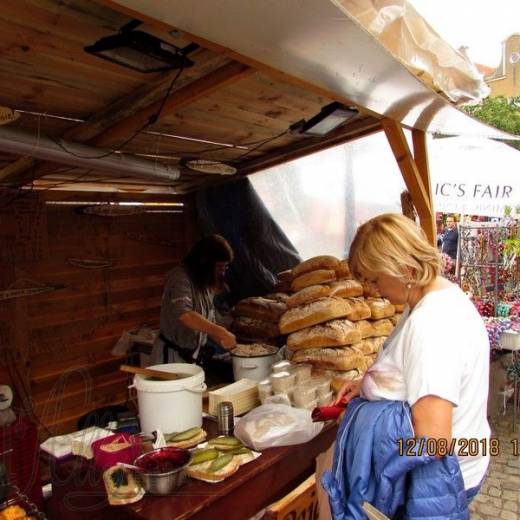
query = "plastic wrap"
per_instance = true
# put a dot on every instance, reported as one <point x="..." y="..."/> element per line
<point x="273" y="425"/>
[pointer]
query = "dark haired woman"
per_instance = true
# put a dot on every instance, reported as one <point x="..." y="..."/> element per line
<point x="188" y="328"/>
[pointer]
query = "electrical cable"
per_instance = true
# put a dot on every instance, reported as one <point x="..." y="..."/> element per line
<point x="151" y="120"/>
<point x="197" y="153"/>
<point x="262" y="144"/>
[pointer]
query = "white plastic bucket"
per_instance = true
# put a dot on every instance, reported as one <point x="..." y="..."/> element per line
<point x="171" y="406"/>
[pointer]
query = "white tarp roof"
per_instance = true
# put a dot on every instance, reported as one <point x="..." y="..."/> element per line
<point x="321" y="42"/>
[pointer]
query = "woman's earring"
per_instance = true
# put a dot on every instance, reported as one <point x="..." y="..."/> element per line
<point x="408" y="285"/>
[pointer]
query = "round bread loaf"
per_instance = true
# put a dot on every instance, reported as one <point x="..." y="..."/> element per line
<point x="313" y="313"/>
<point x="334" y="333"/>
<point x="260" y="308"/>
<point x="309" y="294"/>
<point x="316" y="263"/>
<point x="317" y="277"/>
<point x="346" y="288"/>
<point x="380" y="308"/>
<point x="345" y="358"/>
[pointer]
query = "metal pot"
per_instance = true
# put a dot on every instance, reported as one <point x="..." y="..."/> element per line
<point x="256" y="368"/>
<point x="152" y="479"/>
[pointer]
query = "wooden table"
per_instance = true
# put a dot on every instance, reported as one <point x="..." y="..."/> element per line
<point x="78" y="491"/>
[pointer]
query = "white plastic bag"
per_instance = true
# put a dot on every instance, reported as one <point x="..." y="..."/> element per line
<point x="272" y="425"/>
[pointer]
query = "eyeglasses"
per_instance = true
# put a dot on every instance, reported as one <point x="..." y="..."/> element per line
<point x="222" y="266"/>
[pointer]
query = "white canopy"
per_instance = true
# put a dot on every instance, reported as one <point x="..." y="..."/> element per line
<point x="474" y="176"/>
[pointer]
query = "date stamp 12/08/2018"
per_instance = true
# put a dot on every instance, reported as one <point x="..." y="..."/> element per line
<point x="462" y="447"/>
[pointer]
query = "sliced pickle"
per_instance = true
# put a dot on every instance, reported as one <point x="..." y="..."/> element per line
<point x="203" y="455"/>
<point x="227" y="442"/>
<point x="220" y="462"/>
<point x="241" y="451"/>
<point x="184" y="436"/>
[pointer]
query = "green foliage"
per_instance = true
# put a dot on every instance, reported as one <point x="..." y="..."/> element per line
<point x="500" y="112"/>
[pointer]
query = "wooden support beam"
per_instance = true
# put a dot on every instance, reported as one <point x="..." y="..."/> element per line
<point x="355" y="130"/>
<point x="411" y="175"/>
<point x="144" y="95"/>
<point x="16" y="168"/>
<point x="199" y="88"/>
<point x="120" y="120"/>
<point x="420" y="153"/>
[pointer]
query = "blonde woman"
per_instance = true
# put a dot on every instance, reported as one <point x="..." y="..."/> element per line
<point x="437" y="358"/>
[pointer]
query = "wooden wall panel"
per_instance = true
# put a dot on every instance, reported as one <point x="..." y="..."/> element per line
<point x="61" y="340"/>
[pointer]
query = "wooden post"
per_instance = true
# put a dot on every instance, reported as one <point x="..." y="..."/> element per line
<point x="420" y="152"/>
<point x="412" y="177"/>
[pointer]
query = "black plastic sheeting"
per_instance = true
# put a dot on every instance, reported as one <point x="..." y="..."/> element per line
<point x="235" y="211"/>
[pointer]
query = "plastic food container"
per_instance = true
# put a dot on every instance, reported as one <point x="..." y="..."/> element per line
<point x="322" y="387"/>
<point x="304" y="396"/>
<point x="310" y="405"/>
<point x="303" y="372"/>
<point x="282" y="366"/>
<point x="326" y="399"/>
<point x="283" y="382"/>
<point x="265" y="389"/>
<point x="157" y="399"/>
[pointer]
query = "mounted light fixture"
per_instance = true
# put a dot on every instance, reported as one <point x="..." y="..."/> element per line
<point x="330" y="117"/>
<point x="141" y="51"/>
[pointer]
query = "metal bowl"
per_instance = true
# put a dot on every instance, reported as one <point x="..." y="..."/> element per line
<point x="162" y="470"/>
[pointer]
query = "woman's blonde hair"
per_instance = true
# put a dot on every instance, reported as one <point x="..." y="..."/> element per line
<point x="394" y="245"/>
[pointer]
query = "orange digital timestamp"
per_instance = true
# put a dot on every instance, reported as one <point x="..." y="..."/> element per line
<point x="463" y="447"/>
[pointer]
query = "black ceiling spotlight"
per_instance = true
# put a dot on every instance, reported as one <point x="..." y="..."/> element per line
<point x="141" y="51"/>
<point x="329" y="118"/>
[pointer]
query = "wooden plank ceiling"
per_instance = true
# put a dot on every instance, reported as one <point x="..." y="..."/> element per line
<point x="63" y="92"/>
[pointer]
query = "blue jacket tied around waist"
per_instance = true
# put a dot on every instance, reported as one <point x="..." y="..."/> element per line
<point x="368" y="466"/>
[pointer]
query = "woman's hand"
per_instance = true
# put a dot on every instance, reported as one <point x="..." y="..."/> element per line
<point x="224" y="338"/>
<point x="193" y="320"/>
<point x="348" y="391"/>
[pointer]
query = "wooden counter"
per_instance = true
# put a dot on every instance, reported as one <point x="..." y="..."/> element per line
<point x="78" y="491"/>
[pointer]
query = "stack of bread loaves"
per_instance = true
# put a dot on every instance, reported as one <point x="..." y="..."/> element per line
<point x="331" y="325"/>
<point x="256" y="319"/>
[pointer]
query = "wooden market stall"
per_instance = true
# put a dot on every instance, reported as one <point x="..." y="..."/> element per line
<point x="86" y="138"/>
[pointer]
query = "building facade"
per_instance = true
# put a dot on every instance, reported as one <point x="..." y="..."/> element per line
<point x="505" y="79"/>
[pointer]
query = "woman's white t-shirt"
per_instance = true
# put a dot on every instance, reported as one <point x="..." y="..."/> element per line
<point x="441" y="348"/>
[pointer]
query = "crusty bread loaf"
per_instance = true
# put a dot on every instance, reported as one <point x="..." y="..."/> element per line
<point x="260" y="308"/>
<point x="369" y="291"/>
<point x="282" y="287"/>
<point x="309" y="294"/>
<point x="342" y="270"/>
<point x="314" y="264"/>
<point x="380" y="308"/>
<point x="320" y="276"/>
<point x="369" y="346"/>
<point x="346" y="288"/>
<point x="277" y="297"/>
<point x="344" y="358"/>
<point x="382" y="327"/>
<point x="285" y="276"/>
<point x="313" y="313"/>
<point x="395" y="318"/>
<point x="326" y="373"/>
<point x="360" y="310"/>
<point x="334" y="333"/>
<point x="249" y="328"/>
<point x="365" y="328"/>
